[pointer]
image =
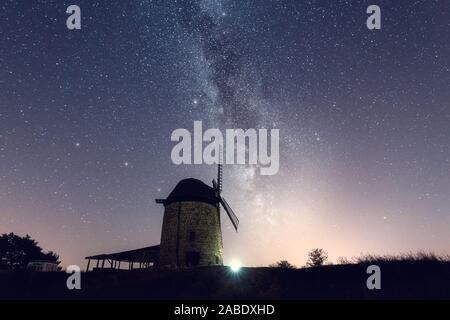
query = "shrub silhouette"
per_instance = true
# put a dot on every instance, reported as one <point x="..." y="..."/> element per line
<point x="343" y="260"/>
<point x="284" y="264"/>
<point x="16" y="252"/>
<point x="317" y="258"/>
<point x="406" y="257"/>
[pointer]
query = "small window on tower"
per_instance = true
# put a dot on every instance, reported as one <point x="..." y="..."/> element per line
<point x="192" y="236"/>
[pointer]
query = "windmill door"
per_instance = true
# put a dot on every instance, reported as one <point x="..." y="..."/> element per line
<point x="192" y="259"/>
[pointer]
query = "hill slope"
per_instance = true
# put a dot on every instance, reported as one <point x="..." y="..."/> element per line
<point x="399" y="280"/>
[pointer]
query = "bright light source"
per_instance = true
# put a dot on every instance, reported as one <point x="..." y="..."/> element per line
<point x="235" y="265"/>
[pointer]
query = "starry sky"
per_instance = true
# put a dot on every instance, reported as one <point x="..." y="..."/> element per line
<point x="364" y="118"/>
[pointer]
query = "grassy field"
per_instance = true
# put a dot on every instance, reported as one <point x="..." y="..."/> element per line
<point x="408" y="279"/>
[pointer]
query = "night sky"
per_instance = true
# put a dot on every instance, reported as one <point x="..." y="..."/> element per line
<point x="364" y="118"/>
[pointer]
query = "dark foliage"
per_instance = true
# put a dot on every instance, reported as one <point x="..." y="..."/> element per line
<point x="407" y="257"/>
<point x="284" y="264"/>
<point x="317" y="258"/>
<point x="16" y="252"/>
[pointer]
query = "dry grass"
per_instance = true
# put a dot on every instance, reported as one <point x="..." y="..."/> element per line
<point x="406" y="257"/>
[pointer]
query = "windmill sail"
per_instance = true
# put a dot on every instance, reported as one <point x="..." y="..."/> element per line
<point x="219" y="178"/>
<point x="215" y="185"/>
<point x="220" y="171"/>
<point x="231" y="215"/>
<point x="218" y="187"/>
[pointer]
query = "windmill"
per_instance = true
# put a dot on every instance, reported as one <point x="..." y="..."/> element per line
<point x="191" y="233"/>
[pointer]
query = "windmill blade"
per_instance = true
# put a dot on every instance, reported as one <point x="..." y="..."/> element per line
<point x="219" y="176"/>
<point x="231" y="215"/>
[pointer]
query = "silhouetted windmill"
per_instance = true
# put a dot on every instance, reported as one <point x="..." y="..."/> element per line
<point x="191" y="232"/>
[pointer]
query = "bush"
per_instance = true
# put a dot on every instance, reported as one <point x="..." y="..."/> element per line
<point x="343" y="260"/>
<point x="282" y="264"/>
<point x="317" y="258"/>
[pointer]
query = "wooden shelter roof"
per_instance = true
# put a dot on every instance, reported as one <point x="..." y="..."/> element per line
<point x="147" y="254"/>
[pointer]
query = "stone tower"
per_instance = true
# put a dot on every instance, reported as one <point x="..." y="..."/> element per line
<point x="191" y="233"/>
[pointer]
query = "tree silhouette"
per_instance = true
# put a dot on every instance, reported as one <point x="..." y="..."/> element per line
<point x="16" y="252"/>
<point x="282" y="264"/>
<point x="343" y="260"/>
<point x="317" y="257"/>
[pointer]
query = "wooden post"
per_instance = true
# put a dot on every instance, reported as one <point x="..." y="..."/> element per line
<point x="103" y="263"/>
<point x="87" y="268"/>
<point x="98" y="262"/>
<point x="119" y="266"/>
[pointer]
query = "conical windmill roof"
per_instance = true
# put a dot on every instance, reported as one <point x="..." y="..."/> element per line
<point x="192" y="190"/>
